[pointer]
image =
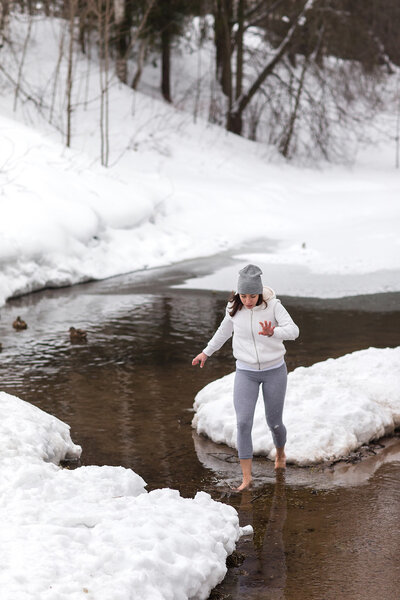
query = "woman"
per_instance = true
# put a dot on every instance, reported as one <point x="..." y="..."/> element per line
<point x="259" y="324"/>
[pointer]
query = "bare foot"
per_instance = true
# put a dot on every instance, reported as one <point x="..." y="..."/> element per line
<point x="280" y="461"/>
<point x="245" y="485"/>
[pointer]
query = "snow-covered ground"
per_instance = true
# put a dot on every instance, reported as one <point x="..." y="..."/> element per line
<point x="95" y="532"/>
<point x="174" y="190"/>
<point x="331" y="408"/>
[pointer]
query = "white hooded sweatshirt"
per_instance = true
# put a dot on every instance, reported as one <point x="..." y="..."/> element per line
<point x="252" y="350"/>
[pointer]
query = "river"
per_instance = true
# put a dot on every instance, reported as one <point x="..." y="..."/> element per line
<point x="323" y="534"/>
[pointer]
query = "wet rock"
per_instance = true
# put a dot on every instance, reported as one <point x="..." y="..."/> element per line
<point x="218" y="595"/>
<point x="235" y="559"/>
<point x="353" y="457"/>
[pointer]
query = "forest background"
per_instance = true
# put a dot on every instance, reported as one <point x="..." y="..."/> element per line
<point x="311" y="78"/>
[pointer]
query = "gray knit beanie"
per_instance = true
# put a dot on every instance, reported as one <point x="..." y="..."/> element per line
<point x="249" y="281"/>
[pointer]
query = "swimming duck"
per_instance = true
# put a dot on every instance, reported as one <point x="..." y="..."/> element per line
<point x="19" y="324"/>
<point x="77" y="335"/>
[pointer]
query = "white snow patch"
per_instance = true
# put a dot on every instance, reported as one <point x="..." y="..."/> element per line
<point x="331" y="408"/>
<point x="29" y="434"/>
<point x="95" y="532"/>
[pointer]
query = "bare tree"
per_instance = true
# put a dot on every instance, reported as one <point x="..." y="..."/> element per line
<point x="125" y="37"/>
<point x="22" y="61"/>
<point x="288" y="134"/>
<point x="239" y="47"/>
<point x="397" y="137"/>
<point x="57" y="72"/>
<point x="122" y="32"/>
<point x="223" y="27"/>
<point x="143" y="44"/>
<point x="4" y="15"/>
<point x="235" y="115"/>
<point x="73" y="4"/>
<point x="104" y="19"/>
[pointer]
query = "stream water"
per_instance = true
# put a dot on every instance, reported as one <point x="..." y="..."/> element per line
<point x="128" y="392"/>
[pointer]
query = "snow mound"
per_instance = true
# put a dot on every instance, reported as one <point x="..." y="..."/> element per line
<point x="28" y="433"/>
<point x="331" y="408"/>
<point x="95" y="532"/>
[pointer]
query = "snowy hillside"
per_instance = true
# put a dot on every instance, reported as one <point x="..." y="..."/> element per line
<point x="174" y="190"/>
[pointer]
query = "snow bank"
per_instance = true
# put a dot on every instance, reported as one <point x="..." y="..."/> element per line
<point x="62" y="222"/>
<point x="331" y="408"/>
<point x="94" y="532"/>
<point x="29" y="434"/>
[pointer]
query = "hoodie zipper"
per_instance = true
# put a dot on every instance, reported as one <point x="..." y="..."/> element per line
<point x="254" y="341"/>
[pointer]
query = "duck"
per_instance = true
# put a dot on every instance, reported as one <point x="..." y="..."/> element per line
<point x="77" y="335"/>
<point x="19" y="324"/>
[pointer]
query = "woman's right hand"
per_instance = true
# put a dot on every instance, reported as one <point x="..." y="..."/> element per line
<point x="200" y="358"/>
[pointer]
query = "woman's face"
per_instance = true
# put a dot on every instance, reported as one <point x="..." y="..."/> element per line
<point x="249" y="300"/>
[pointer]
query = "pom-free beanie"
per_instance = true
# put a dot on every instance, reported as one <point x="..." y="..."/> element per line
<point x="249" y="281"/>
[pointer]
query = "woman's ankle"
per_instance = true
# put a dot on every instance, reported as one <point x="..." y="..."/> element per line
<point x="280" y="458"/>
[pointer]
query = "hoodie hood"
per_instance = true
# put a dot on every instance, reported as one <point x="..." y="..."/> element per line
<point x="268" y="293"/>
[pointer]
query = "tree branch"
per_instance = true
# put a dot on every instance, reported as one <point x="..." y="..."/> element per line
<point x="245" y="98"/>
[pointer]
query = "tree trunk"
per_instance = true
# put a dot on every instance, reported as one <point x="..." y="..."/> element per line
<point x="166" y="64"/>
<point x="22" y="62"/>
<point x="70" y="66"/>
<point x="285" y="145"/>
<point x="57" y="72"/>
<point x="223" y="45"/>
<point x="218" y="40"/>
<point x="4" y="12"/>
<point x="46" y="5"/>
<point x="84" y="18"/>
<point x="140" y="62"/>
<point x="122" y="50"/>
<point x="235" y="122"/>
<point x="104" y="33"/>
<point x="239" y="48"/>
<point x="397" y="138"/>
<point x="122" y="29"/>
<point x="31" y="7"/>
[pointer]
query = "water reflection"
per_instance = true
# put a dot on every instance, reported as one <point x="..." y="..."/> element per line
<point x="263" y="574"/>
<point x="268" y="540"/>
<point x="223" y="461"/>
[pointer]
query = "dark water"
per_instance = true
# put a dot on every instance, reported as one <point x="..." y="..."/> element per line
<point x="128" y="393"/>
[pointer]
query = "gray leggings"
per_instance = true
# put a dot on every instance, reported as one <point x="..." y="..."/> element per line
<point x="245" y="394"/>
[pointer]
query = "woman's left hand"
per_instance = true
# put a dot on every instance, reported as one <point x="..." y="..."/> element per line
<point x="266" y="328"/>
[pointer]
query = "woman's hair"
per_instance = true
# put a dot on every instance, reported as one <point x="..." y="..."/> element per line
<point x="237" y="304"/>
